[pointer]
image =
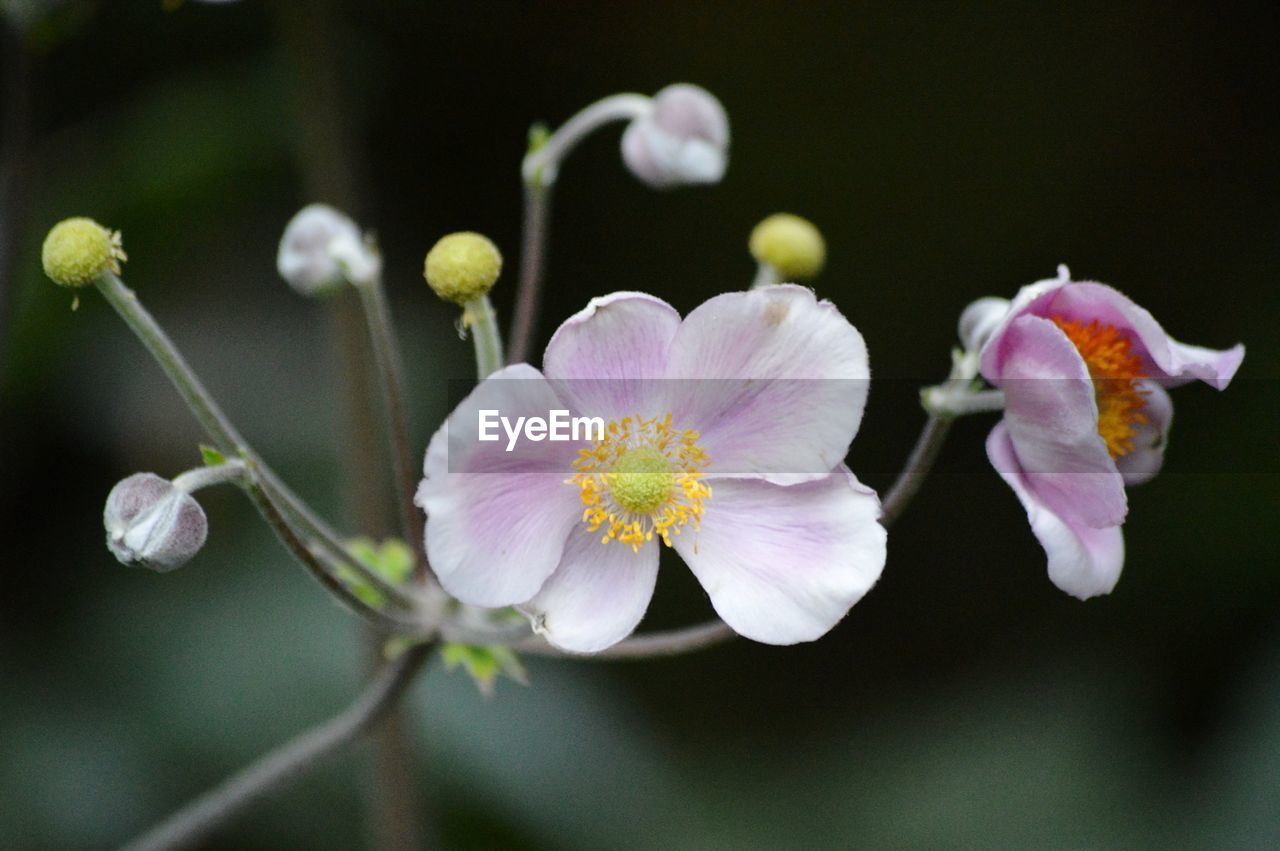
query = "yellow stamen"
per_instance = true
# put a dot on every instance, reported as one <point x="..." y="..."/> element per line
<point x="643" y="478"/>
<point x="1114" y="368"/>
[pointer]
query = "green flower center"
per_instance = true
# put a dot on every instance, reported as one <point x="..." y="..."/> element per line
<point x="641" y="479"/>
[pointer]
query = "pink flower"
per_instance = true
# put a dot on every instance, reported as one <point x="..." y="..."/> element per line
<point x="1068" y="446"/>
<point x="740" y="471"/>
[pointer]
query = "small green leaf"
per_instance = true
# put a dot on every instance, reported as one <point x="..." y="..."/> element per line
<point x="392" y="560"/>
<point x="539" y="133"/>
<point x="211" y="456"/>
<point x="485" y="664"/>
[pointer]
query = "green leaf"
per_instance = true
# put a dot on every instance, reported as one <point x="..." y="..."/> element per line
<point x="212" y="457"/>
<point x="484" y="664"/>
<point x="392" y="560"/>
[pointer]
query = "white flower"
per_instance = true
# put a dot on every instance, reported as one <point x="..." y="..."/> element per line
<point x="683" y="139"/>
<point x="322" y="249"/>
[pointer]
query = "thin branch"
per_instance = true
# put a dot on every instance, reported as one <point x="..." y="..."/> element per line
<point x="651" y="646"/>
<point x="919" y="463"/>
<point x="270" y="492"/>
<point x="715" y="631"/>
<point x="533" y="253"/>
<point x="215" y="809"/>
<point x="386" y="355"/>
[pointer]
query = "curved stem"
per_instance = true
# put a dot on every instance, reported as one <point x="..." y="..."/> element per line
<point x="918" y="465"/>
<point x="533" y="253"/>
<point x="231" y="470"/>
<point x="542" y="165"/>
<point x="651" y="646"/>
<point x="539" y="170"/>
<point x="713" y="632"/>
<point x="309" y="559"/>
<point x="322" y="547"/>
<point x="386" y="356"/>
<point x="213" y="810"/>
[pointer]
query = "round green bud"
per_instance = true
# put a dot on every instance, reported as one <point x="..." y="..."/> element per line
<point x="790" y="244"/>
<point x="461" y="267"/>
<point x="78" y="250"/>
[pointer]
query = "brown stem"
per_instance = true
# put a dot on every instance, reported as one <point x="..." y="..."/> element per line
<point x="533" y="251"/>
<point x="328" y="153"/>
<point x="202" y="817"/>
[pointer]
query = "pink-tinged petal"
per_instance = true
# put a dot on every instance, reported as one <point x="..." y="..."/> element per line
<point x="1215" y="367"/>
<point x="792" y="382"/>
<point x="785" y="564"/>
<point x="1052" y="417"/>
<point x="497" y="520"/>
<point x="608" y="359"/>
<point x="1144" y="461"/>
<point x="1083" y="561"/>
<point x="597" y="595"/>
<point x="1164" y="359"/>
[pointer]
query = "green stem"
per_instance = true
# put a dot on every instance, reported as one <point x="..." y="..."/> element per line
<point x="480" y="319"/>
<point x="268" y="492"/>
<point x="144" y="325"/>
<point x="191" y="481"/>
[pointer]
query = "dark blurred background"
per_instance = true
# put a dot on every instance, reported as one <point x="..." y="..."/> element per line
<point x="947" y="151"/>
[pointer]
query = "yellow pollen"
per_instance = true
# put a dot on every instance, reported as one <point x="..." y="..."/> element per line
<point x="1114" y="368"/>
<point x="643" y="478"/>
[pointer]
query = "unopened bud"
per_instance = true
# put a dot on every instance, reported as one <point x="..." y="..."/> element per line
<point x="461" y="267"/>
<point x="322" y="249"/>
<point x="78" y="250"/>
<point x="979" y="320"/>
<point x="791" y="245"/>
<point x="153" y="524"/>
<point x="682" y="140"/>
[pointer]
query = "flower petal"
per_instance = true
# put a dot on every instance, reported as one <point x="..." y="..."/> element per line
<point x="497" y="520"/>
<point x="1144" y="461"/>
<point x="793" y="382"/>
<point x="597" y="595"/>
<point x="1165" y="359"/>
<point x="785" y="564"/>
<point x="607" y="360"/>
<point x="1052" y="418"/>
<point x="1083" y="561"/>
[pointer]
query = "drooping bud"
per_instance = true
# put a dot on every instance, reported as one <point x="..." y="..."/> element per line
<point x="682" y="140"/>
<point x="979" y="320"/>
<point x="791" y="245"/>
<point x="152" y="524"/>
<point x="322" y="249"/>
<point x="78" y="250"/>
<point x="463" y="266"/>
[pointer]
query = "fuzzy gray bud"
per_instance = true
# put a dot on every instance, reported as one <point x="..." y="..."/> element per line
<point x="682" y="140"/>
<point x="322" y="249"/>
<point x="150" y="523"/>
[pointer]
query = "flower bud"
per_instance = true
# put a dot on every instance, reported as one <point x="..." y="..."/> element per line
<point x="78" y="250"/>
<point x="322" y="249"/>
<point x="979" y="320"/>
<point x="461" y="267"/>
<point x="791" y="245"/>
<point x="153" y="524"/>
<point x="683" y="139"/>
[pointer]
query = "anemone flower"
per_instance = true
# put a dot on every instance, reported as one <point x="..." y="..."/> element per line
<point x="1070" y="444"/>
<point x="723" y="437"/>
